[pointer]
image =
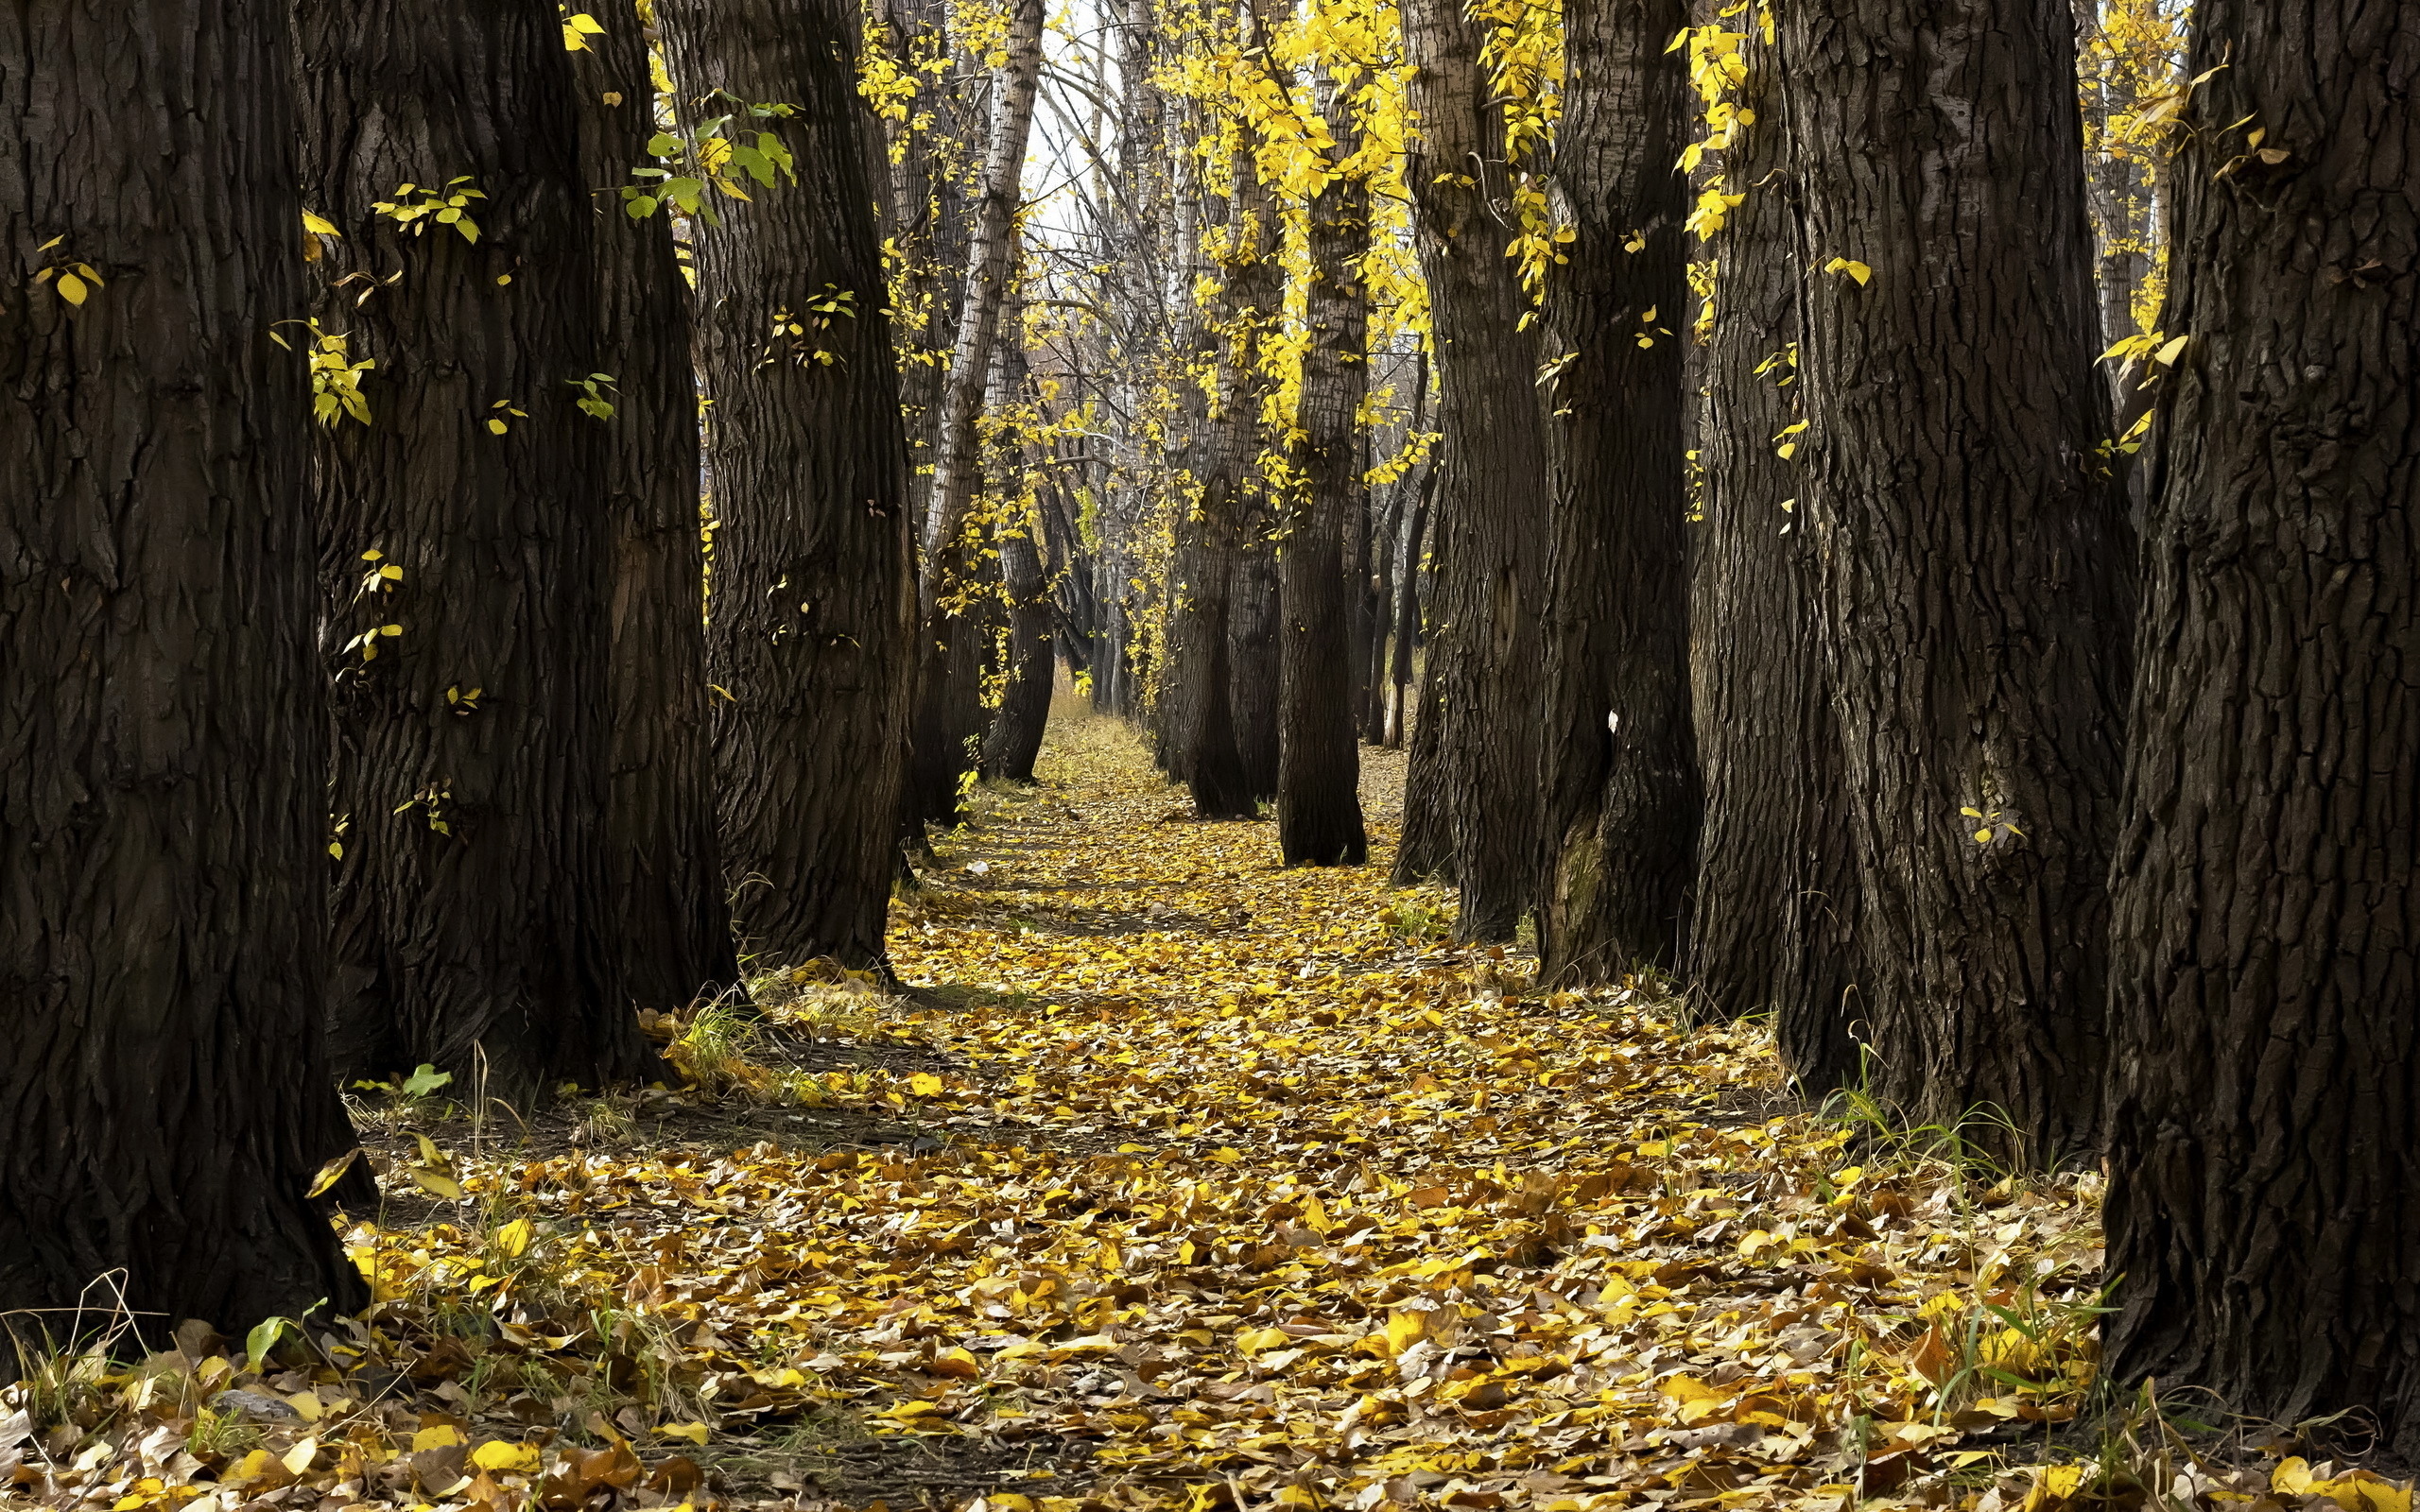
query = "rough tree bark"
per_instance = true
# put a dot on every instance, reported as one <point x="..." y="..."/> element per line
<point x="813" y="599"/>
<point x="1407" y="606"/>
<point x="472" y="918"/>
<point x="1318" y="800"/>
<point x="1619" y="760"/>
<point x="1773" y="927"/>
<point x="1485" y="647"/>
<point x="1015" y="738"/>
<point x="1974" y="555"/>
<point x="165" y="1099"/>
<point x="671" y="914"/>
<point x="949" y="716"/>
<point x="2263" y="1206"/>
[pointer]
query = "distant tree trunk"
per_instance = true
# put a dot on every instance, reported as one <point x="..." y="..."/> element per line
<point x="1622" y="801"/>
<point x="948" y="709"/>
<point x="1223" y="633"/>
<point x="1318" y="800"/>
<point x="1018" y="725"/>
<point x="1776" y="900"/>
<point x="473" y="917"/>
<point x="1486" y="651"/>
<point x="813" y="596"/>
<point x="2263" y="1206"/>
<point x="671" y="915"/>
<point x="1255" y="612"/>
<point x="1374" y="610"/>
<point x="1407" y="606"/>
<point x="166" y="1100"/>
<point x="1975" y="556"/>
<point x="1426" y="852"/>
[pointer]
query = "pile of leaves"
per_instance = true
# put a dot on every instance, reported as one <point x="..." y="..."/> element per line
<point x="1174" y="1180"/>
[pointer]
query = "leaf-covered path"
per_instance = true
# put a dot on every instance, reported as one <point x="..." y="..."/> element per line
<point x="1177" y="1180"/>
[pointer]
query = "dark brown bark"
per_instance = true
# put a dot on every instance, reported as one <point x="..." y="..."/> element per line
<point x="1318" y="773"/>
<point x="1426" y="852"/>
<point x="2263" y="1208"/>
<point x="473" y="920"/>
<point x="1774" y="928"/>
<point x="1974" y="554"/>
<point x="1015" y="738"/>
<point x="165" y="1101"/>
<point x="671" y="914"/>
<point x="1619" y="758"/>
<point x="813" y="597"/>
<point x="1221" y="639"/>
<point x="1408" y="607"/>
<point x="1485" y="646"/>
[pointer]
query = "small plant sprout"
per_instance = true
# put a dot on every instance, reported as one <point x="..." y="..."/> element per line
<point x="366" y="642"/>
<point x="706" y="155"/>
<point x="1987" y="824"/>
<point x="75" y="281"/>
<point x="336" y="378"/>
<point x="382" y="575"/>
<point x="496" y="413"/>
<point x="449" y="206"/>
<point x="595" y="397"/>
<point x="577" y="28"/>
<point x="461" y="702"/>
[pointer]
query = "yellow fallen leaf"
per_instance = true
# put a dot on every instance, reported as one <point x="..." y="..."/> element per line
<point x="694" y="1433"/>
<point x="513" y="1238"/>
<point x="298" y="1459"/>
<point x="441" y="1436"/>
<point x="497" y="1454"/>
<point x="925" y="1084"/>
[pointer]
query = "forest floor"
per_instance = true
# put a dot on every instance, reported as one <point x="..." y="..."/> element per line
<point x="1174" y="1180"/>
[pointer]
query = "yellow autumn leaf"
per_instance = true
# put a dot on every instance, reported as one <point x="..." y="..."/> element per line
<point x="694" y="1432"/>
<point x="443" y="1435"/>
<point x="925" y="1084"/>
<point x="512" y="1239"/>
<point x="499" y="1454"/>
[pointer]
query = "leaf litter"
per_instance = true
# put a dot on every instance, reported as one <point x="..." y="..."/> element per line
<point x="1173" y="1180"/>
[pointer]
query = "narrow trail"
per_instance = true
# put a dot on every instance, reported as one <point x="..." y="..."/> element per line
<point x="1241" y="1188"/>
<point x="1176" y="1182"/>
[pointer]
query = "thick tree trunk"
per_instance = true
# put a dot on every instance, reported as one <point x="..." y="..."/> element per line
<point x="1318" y="773"/>
<point x="165" y="1101"/>
<point x="1619" y="758"/>
<point x="1775" y="908"/>
<point x="1975" y="557"/>
<point x="671" y="914"/>
<point x="1374" y="610"/>
<point x="1222" y="639"/>
<point x="949" y="717"/>
<point x="2263" y="1205"/>
<point x="473" y="917"/>
<point x="1486" y="651"/>
<point x="813" y="597"/>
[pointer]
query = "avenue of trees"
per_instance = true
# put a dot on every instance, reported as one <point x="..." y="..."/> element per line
<point x="1893" y="516"/>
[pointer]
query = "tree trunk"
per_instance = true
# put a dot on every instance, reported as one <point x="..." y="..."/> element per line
<point x="1373" y="598"/>
<point x="1486" y="651"/>
<point x="948" y="710"/>
<point x="1318" y="800"/>
<point x="1024" y="714"/>
<point x="1426" y="850"/>
<point x="165" y="1099"/>
<point x="473" y="917"/>
<point x="1622" y="801"/>
<point x="670" y="912"/>
<point x="2263" y="1205"/>
<point x="1775" y="901"/>
<point x="1408" y="607"/>
<point x="813" y="600"/>
<point x="1975" y="557"/>
<point x="1018" y="725"/>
